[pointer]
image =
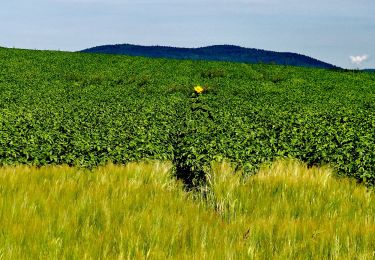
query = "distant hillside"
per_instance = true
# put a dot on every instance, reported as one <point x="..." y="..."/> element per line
<point x="369" y="70"/>
<point x="214" y="53"/>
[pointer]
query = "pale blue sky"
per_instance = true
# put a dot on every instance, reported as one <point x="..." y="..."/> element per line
<point x="330" y="30"/>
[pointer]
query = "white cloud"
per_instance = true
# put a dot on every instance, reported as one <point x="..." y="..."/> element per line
<point x="358" y="59"/>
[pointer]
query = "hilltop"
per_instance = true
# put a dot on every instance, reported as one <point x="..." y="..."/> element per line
<point x="230" y="53"/>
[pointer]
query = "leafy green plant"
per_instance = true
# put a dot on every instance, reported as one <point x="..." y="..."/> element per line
<point x="86" y="110"/>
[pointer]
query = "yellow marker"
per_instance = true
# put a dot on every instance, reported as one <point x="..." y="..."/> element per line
<point x="198" y="89"/>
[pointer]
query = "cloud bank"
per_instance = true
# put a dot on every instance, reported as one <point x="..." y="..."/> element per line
<point x="357" y="60"/>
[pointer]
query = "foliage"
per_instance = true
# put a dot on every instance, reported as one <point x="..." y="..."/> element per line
<point x="229" y="53"/>
<point x="88" y="109"/>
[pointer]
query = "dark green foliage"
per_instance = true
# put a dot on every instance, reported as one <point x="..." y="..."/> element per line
<point x="213" y="73"/>
<point x="230" y="53"/>
<point x="84" y="109"/>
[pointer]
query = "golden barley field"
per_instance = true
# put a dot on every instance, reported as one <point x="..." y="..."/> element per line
<point x="139" y="211"/>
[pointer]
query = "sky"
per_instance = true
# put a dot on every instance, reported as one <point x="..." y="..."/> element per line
<point x="341" y="32"/>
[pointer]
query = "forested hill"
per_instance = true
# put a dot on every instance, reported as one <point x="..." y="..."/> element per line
<point x="214" y="53"/>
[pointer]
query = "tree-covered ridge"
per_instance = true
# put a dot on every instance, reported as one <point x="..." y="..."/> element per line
<point x="214" y="53"/>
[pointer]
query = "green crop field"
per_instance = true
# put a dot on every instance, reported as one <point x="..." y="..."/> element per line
<point x="105" y="156"/>
<point x="86" y="110"/>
